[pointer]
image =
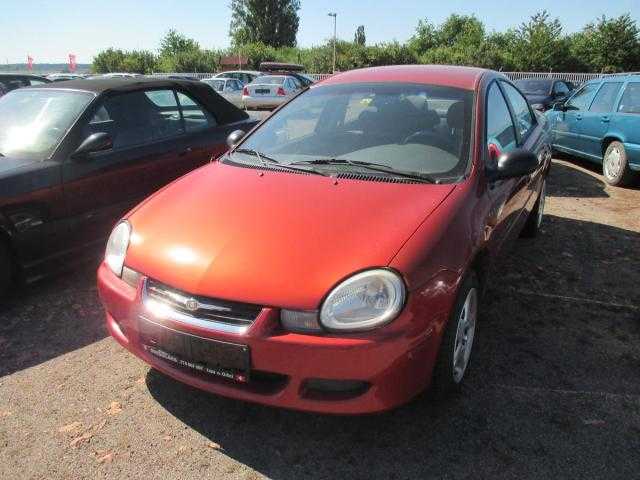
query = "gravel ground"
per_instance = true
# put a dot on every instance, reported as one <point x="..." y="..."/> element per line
<point x="554" y="392"/>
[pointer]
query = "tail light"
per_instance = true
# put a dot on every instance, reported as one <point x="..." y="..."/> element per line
<point x="281" y="92"/>
<point x="245" y="91"/>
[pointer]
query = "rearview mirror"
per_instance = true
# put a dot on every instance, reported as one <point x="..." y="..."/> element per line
<point x="96" y="142"/>
<point x="234" y="138"/>
<point x="516" y="163"/>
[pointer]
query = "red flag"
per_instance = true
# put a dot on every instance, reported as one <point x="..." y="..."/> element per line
<point x="72" y="62"/>
<point x="29" y="62"/>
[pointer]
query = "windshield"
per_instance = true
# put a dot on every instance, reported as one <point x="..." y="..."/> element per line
<point x="217" y="85"/>
<point x="269" y="80"/>
<point x="422" y="129"/>
<point x="32" y="122"/>
<point x="534" y="87"/>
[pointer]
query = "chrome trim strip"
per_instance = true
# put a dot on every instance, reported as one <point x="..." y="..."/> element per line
<point x="175" y="316"/>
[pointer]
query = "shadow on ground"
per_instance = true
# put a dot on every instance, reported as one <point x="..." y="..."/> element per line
<point x="554" y="388"/>
<point x="49" y="318"/>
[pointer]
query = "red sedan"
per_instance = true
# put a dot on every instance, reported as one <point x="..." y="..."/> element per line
<point x="334" y="259"/>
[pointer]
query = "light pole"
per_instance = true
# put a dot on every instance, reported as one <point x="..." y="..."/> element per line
<point x="334" y="15"/>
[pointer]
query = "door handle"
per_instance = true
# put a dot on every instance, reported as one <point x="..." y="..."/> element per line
<point x="604" y="119"/>
<point x="185" y="152"/>
<point x="578" y="117"/>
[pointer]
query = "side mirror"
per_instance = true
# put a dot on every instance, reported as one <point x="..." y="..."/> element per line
<point x="234" y="138"/>
<point x="96" y="142"/>
<point x="516" y="163"/>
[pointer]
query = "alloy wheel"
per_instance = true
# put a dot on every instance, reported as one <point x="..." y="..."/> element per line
<point x="464" y="335"/>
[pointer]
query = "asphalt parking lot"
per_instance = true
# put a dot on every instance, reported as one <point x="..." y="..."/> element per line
<point x="554" y="392"/>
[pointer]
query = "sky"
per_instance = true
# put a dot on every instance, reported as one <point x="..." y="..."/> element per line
<point x="50" y="30"/>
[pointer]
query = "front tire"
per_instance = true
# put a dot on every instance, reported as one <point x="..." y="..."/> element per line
<point x="532" y="227"/>
<point x="615" y="165"/>
<point x="456" y="348"/>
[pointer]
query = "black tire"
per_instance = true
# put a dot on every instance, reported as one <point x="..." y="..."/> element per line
<point x="532" y="227"/>
<point x="615" y="166"/>
<point x="6" y="268"/>
<point x="446" y="378"/>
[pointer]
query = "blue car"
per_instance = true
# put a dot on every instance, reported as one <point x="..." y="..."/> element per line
<point x="601" y="123"/>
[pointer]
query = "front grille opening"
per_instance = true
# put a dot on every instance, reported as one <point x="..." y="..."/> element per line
<point x="216" y="310"/>
<point x="326" y="389"/>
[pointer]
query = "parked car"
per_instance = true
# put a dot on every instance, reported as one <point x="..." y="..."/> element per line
<point x="229" y="88"/>
<point x="543" y="93"/>
<point x="104" y="76"/>
<point x="333" y="260"/>
<point x="269" y="91"/>
<point x="290" y="69"/>
<point x="601" y="123"/>
<point x="13" y="81"/>
<point x="245" y="76"/>
<point x="75" y="156"/>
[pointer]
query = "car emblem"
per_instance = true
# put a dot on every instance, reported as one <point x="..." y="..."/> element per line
<point x="192" y="304"/>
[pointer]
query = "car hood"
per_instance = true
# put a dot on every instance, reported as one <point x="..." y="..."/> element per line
<point x="10" y="164"/>
<point x="270" y="237"/>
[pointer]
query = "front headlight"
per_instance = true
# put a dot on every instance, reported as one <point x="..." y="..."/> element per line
<point x="117" y="247"/>
<point x="364" y="301"/>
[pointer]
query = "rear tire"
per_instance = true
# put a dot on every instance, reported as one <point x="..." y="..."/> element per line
<point x="532" y="227"/>
<point x="615" y="165"/>
<point x="456" y="348"/>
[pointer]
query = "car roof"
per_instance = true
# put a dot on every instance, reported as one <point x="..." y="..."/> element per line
<point x="616" y="77"/>
<point x="225" y="112"/>
<point x="467" y="78"/>
<point x="22" y="75"/>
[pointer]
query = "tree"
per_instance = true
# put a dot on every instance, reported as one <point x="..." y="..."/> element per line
<point x="174" y="43"/>
<point x="424" y="38"/>
<point x="271" y="22"/>
<point x="609" y="45"/>
<point x="181" y="54"/>
<point x="107" y="61"/>
<point x="538" y="45"/>
<point x="360" y="38"/>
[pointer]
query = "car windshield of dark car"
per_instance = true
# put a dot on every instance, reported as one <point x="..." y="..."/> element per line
<point x="32" y="122"/>
<point x="534" y="87"/>
<point x="422" y="129"/>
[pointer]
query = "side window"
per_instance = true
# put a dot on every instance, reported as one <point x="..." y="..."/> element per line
<point x="523" y="117"/>
<point x="237" y="85"/>
<point x="500" y="129"/>
<point x="606" y="97"/>
<point x="137" y="118"/>
<point x="582" y="98"/>
<point x="195" y="116"/>
<point x="560" y="88"/>
<point x="630" y="102"/>
<point x="296" y="83"/>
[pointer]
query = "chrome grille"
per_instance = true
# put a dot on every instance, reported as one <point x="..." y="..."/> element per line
<point x="202" y="308"/>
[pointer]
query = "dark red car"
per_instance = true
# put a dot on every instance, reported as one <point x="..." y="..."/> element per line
<point x="75" y="156"/>
<point x="333" y="260"/>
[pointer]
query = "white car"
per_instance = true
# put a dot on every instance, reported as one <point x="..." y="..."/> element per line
<point x="229" y="88"/>
<point x="269" y="91"/>
<point x="245" y="76"/>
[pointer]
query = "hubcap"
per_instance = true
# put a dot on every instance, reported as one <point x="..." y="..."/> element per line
<point x="543" y="196"/>
<point x="613" y="163"/>
<point x="464" y="335"/>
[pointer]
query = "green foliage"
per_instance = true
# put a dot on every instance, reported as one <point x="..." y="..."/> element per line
<point x="271" y="22"/>
<point x="360" y="38"/>
<point x="608" y="45"/>
<point x="113" y="60"/>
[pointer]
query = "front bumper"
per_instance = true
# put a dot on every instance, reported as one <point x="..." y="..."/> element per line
<point x="394" y="365"/>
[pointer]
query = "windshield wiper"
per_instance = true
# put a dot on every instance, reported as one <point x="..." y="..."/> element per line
<point x="378" y="167"/>
<point x="265" y="158"/>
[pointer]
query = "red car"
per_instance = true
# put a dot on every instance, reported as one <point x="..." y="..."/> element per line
<point x="334" y="258"/>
